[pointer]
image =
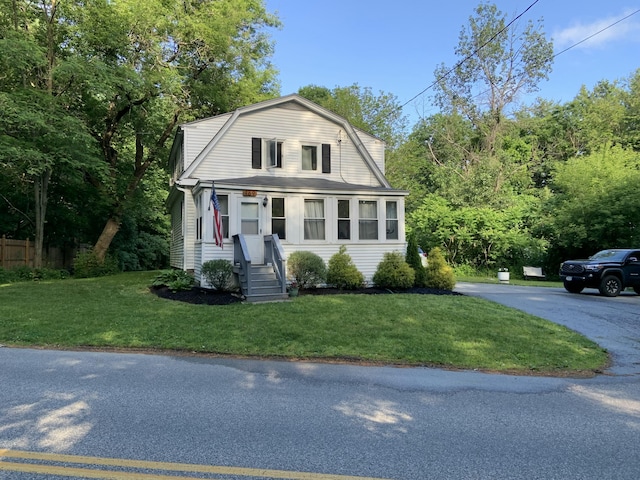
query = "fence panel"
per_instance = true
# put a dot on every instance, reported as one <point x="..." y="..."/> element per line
<point x="15" y="253"/>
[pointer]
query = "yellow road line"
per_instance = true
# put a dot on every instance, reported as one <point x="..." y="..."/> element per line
<point x="142" y="464"/>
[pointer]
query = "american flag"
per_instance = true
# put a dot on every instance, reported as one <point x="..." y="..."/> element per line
<point x="217" y="223"/>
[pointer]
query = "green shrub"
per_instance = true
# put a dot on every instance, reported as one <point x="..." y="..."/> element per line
<point x="25" y="274"/>
<point x="218" y="273"/>
<point x="306" y="269"/>
<point x="174" y="280"/>
<point x="393" y="272"/>
<point x="87" y="265"/>
<point x="342" y="272"/>
<point x="466" y="270"/>
<point x="412" y="257"/>
<point x="439" y="273"/>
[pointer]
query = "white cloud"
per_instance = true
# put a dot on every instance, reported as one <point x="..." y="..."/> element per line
<point x="627" y="30"/>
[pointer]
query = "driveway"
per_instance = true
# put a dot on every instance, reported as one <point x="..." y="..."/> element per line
<point x="614" y="323"/>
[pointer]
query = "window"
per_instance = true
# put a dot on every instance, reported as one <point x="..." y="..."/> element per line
<point x="249" y="215"/>
<point x="198" y="219"/>
<point x="368" y="220"/>
<point x="223" y="200"/>
<point x="314" y="219"/>
<point x="274" y="152"/>
<point x="344" y="220"/>
<point x="392" y="220"/>
<point x="309" y="157"/>
<point x="278" y="220"/>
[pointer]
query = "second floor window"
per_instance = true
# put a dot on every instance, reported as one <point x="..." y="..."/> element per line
<point x="274" y="153"/>
<point x="309" y="157"/>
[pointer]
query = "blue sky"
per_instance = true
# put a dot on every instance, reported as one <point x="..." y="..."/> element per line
<point x="395" y="46"/>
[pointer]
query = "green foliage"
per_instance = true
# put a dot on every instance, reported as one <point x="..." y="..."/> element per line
<point x="175" y="280"/>
<point x="393" y="272"/>
<point x="24" y="274"/>
<point x="439" y="273"/>
<point x="306" y="269"/>
<point x="379" y="115"/>
<point x="88" y="265"/>
<point x="218" y="273"/>
<point x="479" y="236"/>
<point x="342" y="272"/>
<point x="412" y="257"/>
<point x="596" y="203"/>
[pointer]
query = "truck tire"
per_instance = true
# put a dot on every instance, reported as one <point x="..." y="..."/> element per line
<point x="610" y="286"/>
<point x="572" y="287"/>
<point x="637" y="289"/>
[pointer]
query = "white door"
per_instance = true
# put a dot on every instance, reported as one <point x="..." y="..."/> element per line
<point x="251" y="228"/>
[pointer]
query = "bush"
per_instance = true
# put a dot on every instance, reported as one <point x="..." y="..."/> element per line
<point x="393" y="272"/>
<point x="87" y="265"/>
<point x="342" y="272"/>
<point x="174" y="280"/>
<point x="306" y="269"/>
<point x="25" y="274"/>
<point x="439" y="273"/>
<point x="412" y="257"/>
<point x="218" y="273"/>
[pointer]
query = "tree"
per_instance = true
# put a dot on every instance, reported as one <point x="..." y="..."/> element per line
<point x="596" y="203"/>
<point x="159" y="63"/>
<point x="496" y="64"/>
<point x="41" y="138"/>
<point x="379" y="115"/>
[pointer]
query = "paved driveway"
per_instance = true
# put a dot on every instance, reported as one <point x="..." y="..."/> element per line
<point x="614" y="323"/>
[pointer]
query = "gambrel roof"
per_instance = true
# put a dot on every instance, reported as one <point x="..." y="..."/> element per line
<point x="230" y="119"/>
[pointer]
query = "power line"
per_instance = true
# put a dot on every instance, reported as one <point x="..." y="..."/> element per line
<point x="594" y="34"/>
<point x="446" y="74"/>
<point x="575" y="44"/>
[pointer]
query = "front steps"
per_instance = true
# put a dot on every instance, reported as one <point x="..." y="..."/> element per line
<point x="265" y="286"/>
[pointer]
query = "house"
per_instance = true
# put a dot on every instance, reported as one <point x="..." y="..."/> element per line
<point x="288" y="175"/>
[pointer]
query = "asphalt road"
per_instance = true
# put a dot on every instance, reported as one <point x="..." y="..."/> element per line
<point x="242" y="419"/>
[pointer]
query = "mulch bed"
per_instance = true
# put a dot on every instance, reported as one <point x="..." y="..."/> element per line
<point x="203" y="296"/>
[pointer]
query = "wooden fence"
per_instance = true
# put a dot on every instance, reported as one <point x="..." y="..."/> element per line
<point x="18" y="253"/>
<point x="15" y="253"/>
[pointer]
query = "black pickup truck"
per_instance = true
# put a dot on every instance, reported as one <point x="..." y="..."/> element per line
<point x="610" y="271"/>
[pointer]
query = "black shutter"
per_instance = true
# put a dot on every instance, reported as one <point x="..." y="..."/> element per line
<point x="279" y="154"/>
<point x="326" y="158"/>
<point x="256" y="153"/>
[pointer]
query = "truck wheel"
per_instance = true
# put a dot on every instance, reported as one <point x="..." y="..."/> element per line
<point x="610" y="286"/>
<point x="637" y="289"/>
<point x="573" y="287"/>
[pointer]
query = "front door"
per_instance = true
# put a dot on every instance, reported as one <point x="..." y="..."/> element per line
<point x="251" y="228"/>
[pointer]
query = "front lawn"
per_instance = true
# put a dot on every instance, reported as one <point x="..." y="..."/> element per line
<point x="434" y="330"/>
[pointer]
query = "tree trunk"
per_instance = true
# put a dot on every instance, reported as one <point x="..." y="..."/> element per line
<point x="106" y="237"/>
<point x="41" y="185"/>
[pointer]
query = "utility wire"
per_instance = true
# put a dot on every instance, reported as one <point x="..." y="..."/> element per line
<point x="594" y="34"/>
<point x="576" y="44"/>
<point x="472" y="54"/>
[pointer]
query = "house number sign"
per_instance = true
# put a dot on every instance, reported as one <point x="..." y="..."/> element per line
<point x="249" y="193"/>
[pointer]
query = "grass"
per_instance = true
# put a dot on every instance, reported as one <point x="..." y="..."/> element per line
<point x="448" y="331"/>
